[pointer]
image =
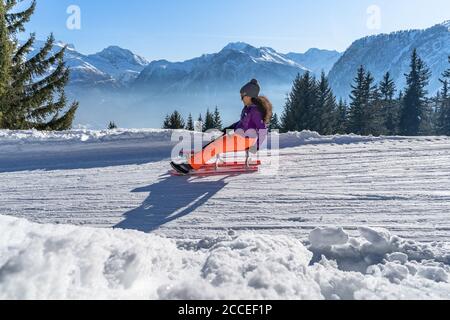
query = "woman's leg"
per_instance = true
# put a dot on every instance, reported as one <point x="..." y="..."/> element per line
<point x="225" y="144"/>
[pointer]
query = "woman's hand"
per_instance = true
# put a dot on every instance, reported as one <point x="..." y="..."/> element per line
<point x="228" y="129"/>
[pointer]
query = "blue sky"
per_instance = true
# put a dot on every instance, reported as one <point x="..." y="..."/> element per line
<point x="181" y="29"/>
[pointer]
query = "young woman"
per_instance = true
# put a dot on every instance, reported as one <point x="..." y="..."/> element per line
<point x="256" y="116"/>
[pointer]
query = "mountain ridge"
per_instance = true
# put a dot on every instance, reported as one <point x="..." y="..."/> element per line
<point x="390" y="52"/>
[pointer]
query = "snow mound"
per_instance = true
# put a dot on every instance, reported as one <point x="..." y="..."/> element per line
<point x="29" y="140"/>
<point x="325" y="237"/>
<point x="68" y="262"/>
<point x="81" y="135"/>
<point x="375" y="246"/>
<point x="294" y="139"/>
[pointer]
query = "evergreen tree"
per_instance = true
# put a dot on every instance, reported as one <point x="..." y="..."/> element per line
<point x="5" y="65"/>
<point x="167" y="124"/>
<point x="31" y="91"/>
<point x="199" y="125"/>
<point x="209" y="121"/>
<point x="299" y="111"/>
<point x="287" y="118"/>
<point x="217" y="119"/>
<point x="443" y="101"/>
<point x="387" y="87"/>
<point x="359" y="98"/>
<point x="190" y="123"/>
<point x="414" y="106"/>
<point x="365" y="112"/>
<point x="325" y="111"/>
<point x="341" y="118"/>
<point x="375" y="123"/>
<point x="390" y="107"/>
<point x="274" y="123"/>
<point x="174" y="121"/>
<point x="112" y="125"/>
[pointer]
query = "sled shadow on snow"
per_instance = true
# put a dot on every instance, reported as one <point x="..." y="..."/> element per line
<point x="170" y="199"/>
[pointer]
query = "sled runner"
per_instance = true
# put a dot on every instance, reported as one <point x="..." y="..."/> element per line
<point x="222" y="166"/>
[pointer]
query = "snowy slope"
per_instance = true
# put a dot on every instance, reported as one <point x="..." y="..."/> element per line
<point x="392" y="52"/>
<point x="316" y="60"/>
<point x="118" y="180"/>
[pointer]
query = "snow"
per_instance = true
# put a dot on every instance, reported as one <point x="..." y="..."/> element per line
<point x="68" y="262"/>
<point x="93" y="214"/>
<point x="326" y="237"/>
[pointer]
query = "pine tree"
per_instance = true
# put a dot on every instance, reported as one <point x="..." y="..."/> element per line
<point x="390" y="107"/>
<point x="31" y="91"/>
<point x="443" y="101"/>
<point x="299" y="112"/>
<point x="217" y="119"/>
<point x="359" y="99"/>
<point x="375" y="122"/>
<point x="190" y="123"/>
<point x="365" y="112"/>
<point x="174" y="121"/>
<point x="414" y="106"/>
<point x="167" y="124"/>
<point x="5" y="61"/>
<point x="326" y="107"/>
<point x="274" y="123"/>
<point x="112" y="125"/>
<point x="287" y="118"/>
<point x="341" y="118"/>
<point x="199" y="125"/>
<point x="209" y="121"/>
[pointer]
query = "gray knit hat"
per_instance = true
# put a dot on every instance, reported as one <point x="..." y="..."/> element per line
<point x="251" y="89"/>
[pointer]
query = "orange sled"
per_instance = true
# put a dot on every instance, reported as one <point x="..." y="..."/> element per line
<point x="222" y="167"/>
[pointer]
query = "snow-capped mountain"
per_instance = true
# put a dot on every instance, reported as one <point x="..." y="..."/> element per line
<point x="231" y="67"/>
<point x="123" y="65"/>
<point x="83" y="73"/>
<point x="111" y="67"/>
<point x="391" y="52"/>
<point x="316" y="60"/>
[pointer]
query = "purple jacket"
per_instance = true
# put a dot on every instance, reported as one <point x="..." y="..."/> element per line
<point x="252" y="119"/>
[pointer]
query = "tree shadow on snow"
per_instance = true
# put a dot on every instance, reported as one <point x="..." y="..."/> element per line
<point x="171" y="198"/>
<point x="87" y="158"/>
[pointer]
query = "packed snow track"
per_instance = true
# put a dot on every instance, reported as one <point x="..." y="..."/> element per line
<point x="118" y="179"/>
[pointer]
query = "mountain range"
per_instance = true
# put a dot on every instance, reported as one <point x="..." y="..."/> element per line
<point x="117" y="84"/>
<point x="111" y="67"/>
<point x="226" y="70"/>
<point x="392" y="52"/>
